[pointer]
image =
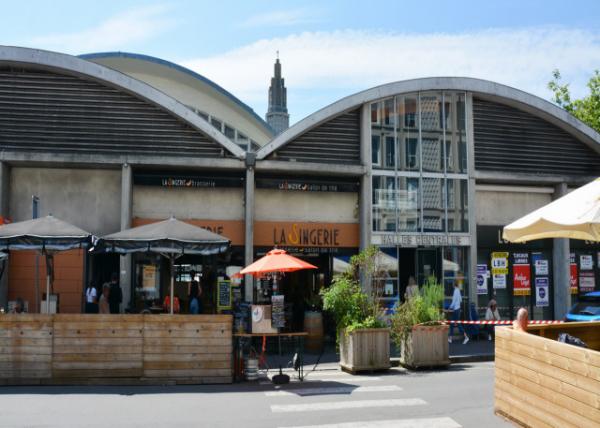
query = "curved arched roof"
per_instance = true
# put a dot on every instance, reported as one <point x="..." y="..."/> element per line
<point x="74" y="65"/>
<point x="502" y="93"/>
<point x="217" y="88"/>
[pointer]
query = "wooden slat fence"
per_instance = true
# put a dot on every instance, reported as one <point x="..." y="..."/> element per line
<point x="115" y="349"/>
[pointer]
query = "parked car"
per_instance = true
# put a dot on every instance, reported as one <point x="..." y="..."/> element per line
<point x="587" y="309"/>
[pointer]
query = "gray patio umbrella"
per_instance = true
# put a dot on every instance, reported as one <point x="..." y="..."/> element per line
<point x="172" y="238"/>
<point x="46" y="235"/>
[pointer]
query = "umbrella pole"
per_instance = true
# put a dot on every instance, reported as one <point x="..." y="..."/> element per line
<point x="172" y="259"/>
<point x="47" y="283"/>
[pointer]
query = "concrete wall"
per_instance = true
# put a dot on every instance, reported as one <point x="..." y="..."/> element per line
<point x="90" y="199"/>
<point x="276" y="205"/>
<point x="503" y="207"/>
<point x="184" y="203"/>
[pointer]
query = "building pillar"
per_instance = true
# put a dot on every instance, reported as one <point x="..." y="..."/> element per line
<point x="472" y="201"/>
<point x="365" y="198"/>
<point x="561" y="259"/>
<point x="249" y="225"/>
<point x="126" y="214"/>
<point x="4" y="191"/>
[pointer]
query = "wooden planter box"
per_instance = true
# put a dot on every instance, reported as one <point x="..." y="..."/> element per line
<point x="542" y="382"/>
<point x="365" y="350"/>
<point x="426" y="346"/>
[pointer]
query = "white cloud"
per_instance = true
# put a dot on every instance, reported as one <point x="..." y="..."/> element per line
<point x="279" y="18"/>
<point x="118" y="31"/>
<point x="330" y="63"/>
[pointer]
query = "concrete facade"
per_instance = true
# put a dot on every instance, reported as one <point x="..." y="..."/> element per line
<point x="499" y="206"/>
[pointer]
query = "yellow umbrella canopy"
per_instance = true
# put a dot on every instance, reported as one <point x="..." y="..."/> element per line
<point x="575" y="216"/>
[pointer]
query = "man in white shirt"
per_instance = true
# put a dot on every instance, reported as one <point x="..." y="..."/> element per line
<point x="454" y="309"/>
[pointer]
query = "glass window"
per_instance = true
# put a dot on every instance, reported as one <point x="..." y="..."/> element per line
<point x="455" y="265"/>
<point x="409" y="112"/>
<point x="390" y="153"/>
<point x="456" y="138"/>
<point x="411" y="150"/>
<point x="408" y="149"/>
<point x="408" y="204"/>
<point x="433" y="205"/>
<point x="375" y="113"/>
<point x="458" y="207"/>
<point x="385" y="278"/>
<point x="433" y="154"/>
<point x="384" y="204"/>
<point x="431" y="111"/>
<point x="376" y="150"/>
<point x="229" y="132"/>
<point x="216" y="123"/>
<point x="388" y="112"/>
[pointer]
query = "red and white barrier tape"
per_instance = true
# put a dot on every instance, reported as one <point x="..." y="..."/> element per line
<point x="505" y="322"/>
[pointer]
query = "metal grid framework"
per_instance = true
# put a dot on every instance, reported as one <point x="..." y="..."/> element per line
<point x="43" y="110"/>
<point x="508" y="139"/>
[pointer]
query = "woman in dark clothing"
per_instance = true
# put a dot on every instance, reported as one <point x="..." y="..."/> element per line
<point x="194" y="292"/>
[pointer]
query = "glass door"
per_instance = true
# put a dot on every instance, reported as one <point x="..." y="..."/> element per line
<point x="428" y="264"/>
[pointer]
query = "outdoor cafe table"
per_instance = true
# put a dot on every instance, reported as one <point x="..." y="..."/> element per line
<point x="239" y="345"/>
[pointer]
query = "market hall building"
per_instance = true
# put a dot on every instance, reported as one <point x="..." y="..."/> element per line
<point x="429" y="170"/>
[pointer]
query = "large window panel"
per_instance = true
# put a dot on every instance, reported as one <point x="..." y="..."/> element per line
<point x="458" y="206"/>
<point x="456" y="137"/>
<point x="433" y="205"/>
<point x="432" y="132"/>
<point x="407" y="131"/>
<point x="376" y="150"/>
<point x="383" y="120"/>
<point x="385" y="280"/>
<point x="384" y="204"/>
<point x="433" y="153"/>
<point x="409" y="217"/>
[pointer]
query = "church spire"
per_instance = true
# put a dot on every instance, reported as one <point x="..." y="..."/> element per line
<point x="277" y="115"/>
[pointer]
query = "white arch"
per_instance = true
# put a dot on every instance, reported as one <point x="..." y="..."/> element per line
<point x="532" y="103"/>
<point x="72" y="64"/>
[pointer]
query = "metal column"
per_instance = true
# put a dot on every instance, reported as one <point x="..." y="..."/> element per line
<point x="126" y="214"/>
<point x="561" y="267"/>
<point x="249" y="225"/>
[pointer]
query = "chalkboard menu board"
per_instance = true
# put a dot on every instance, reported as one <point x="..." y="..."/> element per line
<point x="277" y="312"/>
<point x="224" y="294"/>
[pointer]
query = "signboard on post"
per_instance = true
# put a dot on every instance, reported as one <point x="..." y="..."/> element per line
<point x="521" y="275"/>
<point x="482" y="276"/>
<point x="587" y="281"/>
<point x="277" y="312"/>
<point x="224" y="294"/>
<point x="540" y="264"/>
<point x="500" y="263"/>
<point x="573" y="282"/>
<point x="499" y="281"/>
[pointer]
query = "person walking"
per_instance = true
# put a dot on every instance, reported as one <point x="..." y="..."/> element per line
<point x="115" y="297"/>
<point x="491" y="314"/>
<point x="455" y="311"/>
<point x="194" y="293"/>
<point x="91" y="298"/>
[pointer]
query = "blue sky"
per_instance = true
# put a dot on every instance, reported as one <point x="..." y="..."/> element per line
<point x="328" y="49"/>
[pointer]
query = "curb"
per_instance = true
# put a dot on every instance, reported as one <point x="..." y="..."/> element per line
<point x="457" y="359"/>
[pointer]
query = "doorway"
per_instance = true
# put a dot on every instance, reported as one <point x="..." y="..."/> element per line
<point x="420" y="263"/>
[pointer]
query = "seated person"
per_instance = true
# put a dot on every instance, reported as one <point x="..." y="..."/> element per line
<point x="19" y="306"/>
<point x="491" y="314"/>
<point x="520" y="323"/>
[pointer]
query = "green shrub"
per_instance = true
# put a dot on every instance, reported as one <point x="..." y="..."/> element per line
<point x="423" y="309"/>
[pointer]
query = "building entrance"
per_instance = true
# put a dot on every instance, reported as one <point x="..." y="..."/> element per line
<point x="420" y="264"/>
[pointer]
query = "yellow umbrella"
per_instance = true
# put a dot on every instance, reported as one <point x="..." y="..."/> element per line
<point x="575" y="216"/>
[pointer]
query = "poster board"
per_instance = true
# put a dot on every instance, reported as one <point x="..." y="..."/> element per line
<point x="149" y="277"/>
<point x="521" y="274"/>
<point x="224" y="294"/>
<point x="277" y="311"/>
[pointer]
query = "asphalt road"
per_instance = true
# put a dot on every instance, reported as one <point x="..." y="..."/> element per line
<point x="461" y="396"/>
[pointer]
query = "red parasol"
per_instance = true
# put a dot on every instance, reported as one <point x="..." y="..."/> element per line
<point x="276" y="260"/>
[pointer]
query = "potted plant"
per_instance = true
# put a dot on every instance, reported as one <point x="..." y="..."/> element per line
<point x="418" y="328"/>
<point x="362" y="335"/>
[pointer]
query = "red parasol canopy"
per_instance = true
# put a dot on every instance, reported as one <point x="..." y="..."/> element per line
<point x="276" y="261"/>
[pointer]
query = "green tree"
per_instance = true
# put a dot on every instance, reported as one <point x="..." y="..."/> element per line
<point x="586" y="109"/>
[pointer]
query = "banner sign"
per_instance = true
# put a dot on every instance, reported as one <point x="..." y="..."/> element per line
<point x="521" y="274"/>
<point x="482" y="276"/>
<point x="586" y="262"/>
<point x="542" y="292"/>
<point x="541" y="265"/>
<point x="190" y="181"/>
<point x="573" y="275"/>
<point x="500" y="263"/>
<point x="499" y="281"/>
<point x="306" y="185"/>
<point x="587" y="281"/>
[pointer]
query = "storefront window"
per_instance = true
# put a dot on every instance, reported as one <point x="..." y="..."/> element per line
<point x="385" y="281"/>
<point x="455" y="265"/>
<point x="383" y="139"/>
<point x="384" y="204"/>
<point x="455" y="132"/>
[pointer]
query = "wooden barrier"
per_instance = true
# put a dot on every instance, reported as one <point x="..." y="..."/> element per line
<point x="115" y="349"/>
<point x="541" y="382"/>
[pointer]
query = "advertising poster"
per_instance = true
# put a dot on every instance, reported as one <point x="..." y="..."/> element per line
<point x="499" y="281"/>
<point x="542" y="291"/>
<point x="521" y="280"/>
<point x="482" y="276"/>
<point x="574" y="278"/>
<point x="500" y="263"/>
<point x="149" y="277"/>
<point x="587" y="281"/>
<point x="540" y="264"/>
<point x="586" y="262"/>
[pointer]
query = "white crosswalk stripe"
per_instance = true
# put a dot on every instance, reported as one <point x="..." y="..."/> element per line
<point x="331" y="390"/>
<point x="444" y="422"/>
<point x="337" y="405"/>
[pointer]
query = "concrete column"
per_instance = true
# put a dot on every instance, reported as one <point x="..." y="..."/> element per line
<point x="472" y="195"/>
<point x="249" y="226"/>
<point x="4" y="191"/>
<point x="126" y="214"/>
<point x="365" y="198"/>
<point x="561" y="267"/>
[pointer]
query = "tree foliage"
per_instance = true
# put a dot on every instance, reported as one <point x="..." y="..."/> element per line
<point x="586" y="109"/>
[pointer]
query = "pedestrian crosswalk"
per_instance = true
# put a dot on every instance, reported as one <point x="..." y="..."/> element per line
<point x="345" y="393"/>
